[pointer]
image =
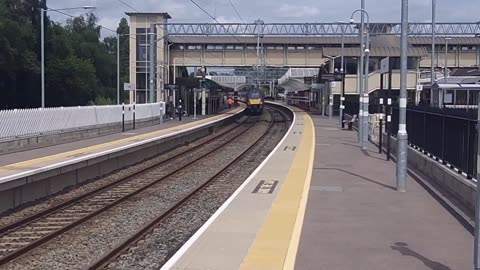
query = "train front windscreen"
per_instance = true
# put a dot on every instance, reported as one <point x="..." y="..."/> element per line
<point x="255" y="95"/>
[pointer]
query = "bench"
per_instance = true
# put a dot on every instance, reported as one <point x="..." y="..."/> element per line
<point x="350" y="121"/>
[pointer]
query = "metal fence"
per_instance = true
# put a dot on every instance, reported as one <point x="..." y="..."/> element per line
<point x="24" y="122"/>
<point x="450" y="135"/>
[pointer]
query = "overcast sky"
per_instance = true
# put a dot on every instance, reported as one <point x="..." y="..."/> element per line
<point x="111" y="11"/>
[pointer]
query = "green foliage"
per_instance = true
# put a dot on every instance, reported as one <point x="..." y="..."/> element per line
<point x="79" y="67"/>
<point x="71" y="81"/>
<point x="104" y="101"/>
<point x="123" y="30"/>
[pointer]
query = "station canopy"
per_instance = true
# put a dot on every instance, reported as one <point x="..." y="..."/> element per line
<point x="210" y="82"/>
<point x="231" y="82"/>
<point x="293" y="80"/>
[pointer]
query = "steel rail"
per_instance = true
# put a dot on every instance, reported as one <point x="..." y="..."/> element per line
<point x="116" y="251"/>
<point x="36" y="243"/>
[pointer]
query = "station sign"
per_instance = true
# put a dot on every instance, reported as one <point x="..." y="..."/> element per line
<point x="331" y="77"/>
<point x="385" y="65"/>
<point x="127" y="86"/>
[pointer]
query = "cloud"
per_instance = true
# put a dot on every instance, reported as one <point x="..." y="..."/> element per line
<point x="109" y="22"/>
<point x="111" y="11"/>
<point x="223" y="19"/>
<point x="291" y="11"/>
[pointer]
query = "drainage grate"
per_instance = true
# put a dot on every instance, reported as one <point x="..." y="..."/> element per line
<point x="265" y="187"/>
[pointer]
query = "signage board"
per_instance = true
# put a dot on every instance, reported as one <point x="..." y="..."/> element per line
<point x="385" y="65"/>
<point x="128" y="86"/>
<point x="448" y="98"/>
<point x="331" y="77"/>
<point x="419" y="87"/>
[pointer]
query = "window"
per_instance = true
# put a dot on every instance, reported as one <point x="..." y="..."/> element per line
<point x="270" y="47"/>
<point x="279" y="47"/>
<point x="141" y="52"/>
<point x="238" y="47"/>
<point x="214" y="47"/>
<point x="310" y="48"/>
<point x="180" y="47"/>
<point x="230" y="47"/>
<point x="254" y="95"/>
<point x="300" y="47"/>
<point x="194" y="47"/>
<point x="291" y="48"/>
<point x="141" y="81"/>
<point x="251" y="47"/>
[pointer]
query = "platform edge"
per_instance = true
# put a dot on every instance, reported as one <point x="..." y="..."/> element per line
<point x="176" y="257"/>
<point x="297" y="230"/>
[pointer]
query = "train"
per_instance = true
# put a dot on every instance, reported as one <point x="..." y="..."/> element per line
<point x="254" y="100"/>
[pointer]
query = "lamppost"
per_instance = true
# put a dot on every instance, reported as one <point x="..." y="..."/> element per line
<point x="432" y="64"/>
<point x="402" y="136"/>
<point x="174" y="79"/>
<point x="42" y="43"/>
<point x="153" y="58"/>
<point x="445" y="71"/>
<point x="168" y="62"/>
<point x="364" y="99"/>
<point x="258" y="25"/>
<point x="342" y="71"/>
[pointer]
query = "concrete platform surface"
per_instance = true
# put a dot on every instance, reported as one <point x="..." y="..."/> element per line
<point x="254" y="230"/>
<point x="356" y="220"/>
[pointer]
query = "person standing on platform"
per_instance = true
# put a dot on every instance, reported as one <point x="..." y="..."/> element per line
<point x="171" y="110"/>
<point x="230" y="102"/>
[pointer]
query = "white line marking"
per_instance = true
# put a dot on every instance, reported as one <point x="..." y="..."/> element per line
<point x="174" y="259"/>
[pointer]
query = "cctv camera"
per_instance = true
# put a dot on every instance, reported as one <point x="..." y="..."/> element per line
<point x="352" y="20"/>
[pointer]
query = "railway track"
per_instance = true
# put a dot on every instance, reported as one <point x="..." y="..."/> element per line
<point x="25" y="235"/>
<point x="209" y="186"/>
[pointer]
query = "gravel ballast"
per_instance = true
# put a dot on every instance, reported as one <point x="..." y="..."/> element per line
<point x="81" y="246"/>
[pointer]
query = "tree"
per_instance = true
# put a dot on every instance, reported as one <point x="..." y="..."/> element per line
<point x="72" y="82"/>
<point x="124" y="31"/>
<point x="80" y="68"/>
<point x="19" y="67"/>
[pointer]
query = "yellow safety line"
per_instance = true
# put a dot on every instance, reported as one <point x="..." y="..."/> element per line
<point x="276" y="243"/>
<point x="28" y="164"/>
<point x="297" y="231"/>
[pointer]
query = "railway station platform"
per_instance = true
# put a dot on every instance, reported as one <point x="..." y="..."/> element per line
<point x="318" y="202"/>
<point x="28" y="175"/>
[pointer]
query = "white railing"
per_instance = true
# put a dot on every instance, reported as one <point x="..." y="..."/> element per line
<point x="473" y="107"/>
<point x="24" y="122"/>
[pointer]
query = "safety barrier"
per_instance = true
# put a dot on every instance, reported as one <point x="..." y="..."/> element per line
<point x="25" y="122"/>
